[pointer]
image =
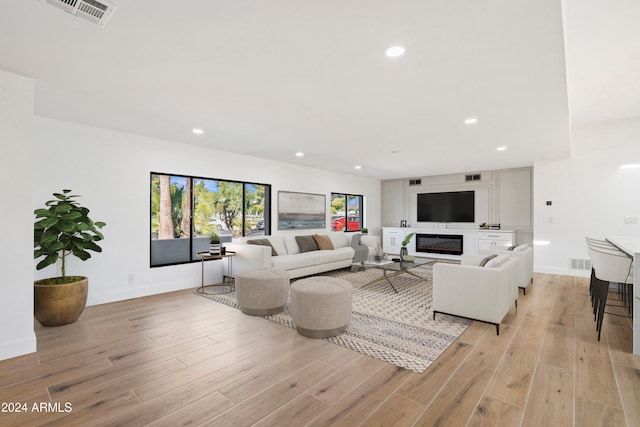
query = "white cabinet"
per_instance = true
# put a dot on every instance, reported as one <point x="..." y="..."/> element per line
<point x="489" y="238"/>
<point x="392" y="240"/>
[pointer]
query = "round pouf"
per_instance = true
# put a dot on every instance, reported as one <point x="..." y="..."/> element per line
<point x="321" y="306"/>
<point x="262" y="292"/>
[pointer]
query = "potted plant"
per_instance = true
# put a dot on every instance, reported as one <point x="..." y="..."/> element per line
<point x="404" y="253"/>
<point x="214" y="243"/>
<point x="61" y="229"/>
<point x="364" y="230"/>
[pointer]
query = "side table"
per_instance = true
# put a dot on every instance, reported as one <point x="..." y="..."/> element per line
<point x="207" y="256"/>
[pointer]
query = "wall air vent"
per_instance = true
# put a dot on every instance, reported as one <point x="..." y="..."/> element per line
<point x="473" y="177"/>
<point x="96" y="11"/>
<point x="580" y="263"/>
<point x="416" y="181"/>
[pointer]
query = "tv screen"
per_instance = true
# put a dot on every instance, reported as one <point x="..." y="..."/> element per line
<point x="452" y="206"/>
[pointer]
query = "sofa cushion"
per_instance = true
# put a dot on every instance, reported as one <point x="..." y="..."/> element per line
<point x="291" y="244"/>
<point x="340" y="254"/>
<point x="497" y="261"/>
<point x="276" y="242"/>
<point x="291" y="262"/>
<point x="339" y="239"/>
<point x="306" y="243"/>
<point x="263" y="242"/>
<point x="323" y="242"/>
<point x="521" y="248"/>
<point x="486" y="259"/>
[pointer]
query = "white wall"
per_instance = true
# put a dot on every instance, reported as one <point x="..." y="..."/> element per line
<point x="590" y="195"/>
<point x="16" y="217"/>
<point x="111" y="169"/>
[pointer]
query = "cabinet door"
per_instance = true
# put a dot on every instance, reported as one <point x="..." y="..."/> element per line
<point x="484" y="244"/>
<point x="392" y="241"/>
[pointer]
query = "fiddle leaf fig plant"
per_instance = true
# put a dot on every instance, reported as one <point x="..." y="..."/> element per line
<point x="407" y="238"/>
<point x="64" y="228"/>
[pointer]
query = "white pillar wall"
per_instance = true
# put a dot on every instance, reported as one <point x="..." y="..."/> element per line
<point x="17" y="335"/>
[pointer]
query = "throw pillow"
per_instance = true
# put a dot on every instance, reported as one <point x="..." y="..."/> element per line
<point x="486" y="259"/>
<point x="521" y="248"/>
<point x="263" y="242"/>
<point x="323" y="242"/>
<point x="306" y="243"/>
<point x="510" y="248"/>
<point x="497" y="261"/>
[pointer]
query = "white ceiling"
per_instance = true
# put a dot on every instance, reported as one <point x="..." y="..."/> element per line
<point x="269" y="78"/>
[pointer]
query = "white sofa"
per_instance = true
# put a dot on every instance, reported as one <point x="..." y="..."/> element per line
<point x="474" y="292"/>
<point x="290" y="258"/>
<point x="524" y="256"/>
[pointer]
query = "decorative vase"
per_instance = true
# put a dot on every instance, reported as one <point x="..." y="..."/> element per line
<point x="57" y="305"/>
<point x="403" y="252"/>
<point x="377" y="255"/>
<point x="214" y="248"/>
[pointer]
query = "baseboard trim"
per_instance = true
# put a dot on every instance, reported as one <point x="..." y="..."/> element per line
<point x="561" y="271"/>
<point x="139" y="292"/>
<point x="9" y="350"/>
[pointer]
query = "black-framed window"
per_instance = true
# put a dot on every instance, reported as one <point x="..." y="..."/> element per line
<point x="186" y="210"/>
<point x="347" y="212"/>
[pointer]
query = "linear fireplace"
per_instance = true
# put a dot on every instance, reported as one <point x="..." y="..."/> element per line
<point x="450" y="244"/>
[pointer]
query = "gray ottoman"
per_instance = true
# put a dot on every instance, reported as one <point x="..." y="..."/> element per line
<point x="262" y="292"/>
<point x="321" y="306"/>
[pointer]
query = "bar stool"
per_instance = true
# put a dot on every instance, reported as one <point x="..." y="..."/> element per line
<point x="625" y="290"/>
<point x="603" y="244"/>
<point x="610" y="265"/>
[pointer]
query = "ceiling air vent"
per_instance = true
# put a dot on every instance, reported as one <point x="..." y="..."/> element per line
<point x="94" y="11"/>
<point x="473" y="177"/>
<point x="416" y="181"/>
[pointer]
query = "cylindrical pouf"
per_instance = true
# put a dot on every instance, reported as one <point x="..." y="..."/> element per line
<point x="262" y="292"/>
<point x="321" y="306"/>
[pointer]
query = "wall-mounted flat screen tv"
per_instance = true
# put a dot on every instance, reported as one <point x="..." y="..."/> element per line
<point x="451" y="206"/>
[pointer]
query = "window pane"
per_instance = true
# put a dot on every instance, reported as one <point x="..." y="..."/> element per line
<point x="338" y="212"/>
<point x="170" y="219"/>
<point x="346" y="212"/>
<point x="185" y="211"/>
<point x="354" y="209"/>
<point x="217" y="207"/>
<point x="256" y="221"/>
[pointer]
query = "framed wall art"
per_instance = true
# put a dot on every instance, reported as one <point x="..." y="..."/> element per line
<point x="301" y="210"/>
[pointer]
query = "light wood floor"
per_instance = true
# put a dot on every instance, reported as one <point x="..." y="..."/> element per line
<point x="178" y="359"/>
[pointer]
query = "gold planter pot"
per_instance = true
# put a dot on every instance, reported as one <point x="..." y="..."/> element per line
<point x="57" y="305"/>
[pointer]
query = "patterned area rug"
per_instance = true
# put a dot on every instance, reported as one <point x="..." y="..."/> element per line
<point x="396" y="328"/>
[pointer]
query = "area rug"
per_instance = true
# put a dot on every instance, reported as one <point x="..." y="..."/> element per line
<point x="397" y="328"/>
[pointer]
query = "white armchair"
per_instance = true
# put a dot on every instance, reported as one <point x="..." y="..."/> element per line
<point x="479" y="293"/>
<point x="524" y="256"/>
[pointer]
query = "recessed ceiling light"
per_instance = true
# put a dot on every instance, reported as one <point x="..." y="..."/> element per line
<point x="357" y="167"/>
<point x="631" y="166"/>
<point x="299" y="154"/>
<point x="471" y="121"/>
<point x="197" y="131"/>
<point x="394" y="51"/>
<point x="501" y="148"/>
